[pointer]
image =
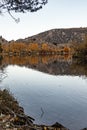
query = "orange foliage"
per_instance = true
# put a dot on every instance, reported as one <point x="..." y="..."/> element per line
<point x="33" y="47"/>
<point x="66" y="49"/>
<point x="34" y="60"/>
<point x="45" y="47"/>
<point x="21" y="48"/>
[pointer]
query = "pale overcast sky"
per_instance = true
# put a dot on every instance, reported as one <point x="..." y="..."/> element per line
<point x="56" y="14"/>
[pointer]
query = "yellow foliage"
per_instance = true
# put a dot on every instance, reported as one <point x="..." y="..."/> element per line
<point x="45" y="47"/>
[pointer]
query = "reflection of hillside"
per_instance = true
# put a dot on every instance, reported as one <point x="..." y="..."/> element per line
<point x="79" y="68"/>
<point x="55" y="64"/>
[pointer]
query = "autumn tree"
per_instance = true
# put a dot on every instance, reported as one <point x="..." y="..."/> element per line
<point x="66" y="49"/>
<point x="34" y="47"/>
<point x="45" y="47"/>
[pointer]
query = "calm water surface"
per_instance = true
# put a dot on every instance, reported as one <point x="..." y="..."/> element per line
<point x="50" y="97"/>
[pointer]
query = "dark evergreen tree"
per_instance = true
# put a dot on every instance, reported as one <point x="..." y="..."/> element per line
<point x="21" y="5"/>
<point x="1" y="48"/>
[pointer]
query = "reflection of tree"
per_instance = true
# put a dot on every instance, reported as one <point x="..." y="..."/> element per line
<point x="52" y="64"/>
<point x="34" y="60"/>
<point x="1" y="59"/>
<point x="84" y="78"/>
<point x="42" y="112"/>
<point x="2" y="71"/>
<point x="79" y="67"/>
<point x="3" y="75"/>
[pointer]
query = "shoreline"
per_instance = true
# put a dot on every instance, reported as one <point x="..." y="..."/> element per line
<point x="12" y="116"/>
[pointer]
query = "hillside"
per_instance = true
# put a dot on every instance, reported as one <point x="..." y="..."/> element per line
<point x="57" y="36"/>
<point x="54" y="36"/>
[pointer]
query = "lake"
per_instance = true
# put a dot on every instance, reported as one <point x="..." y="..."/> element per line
<point x="49" y="88"/>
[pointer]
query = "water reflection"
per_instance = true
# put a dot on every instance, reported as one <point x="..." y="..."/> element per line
<point x="3" y="74"/>
<point x="51" y="64"/>
<point x="34" y="60"/>
<point x="60" y="96"/>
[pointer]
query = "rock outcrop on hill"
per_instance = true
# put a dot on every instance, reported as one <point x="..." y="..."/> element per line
<point x="58" y="36"/>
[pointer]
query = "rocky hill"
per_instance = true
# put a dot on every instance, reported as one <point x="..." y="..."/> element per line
<point x="54" y="36"/>
<point x="58" y="36"/>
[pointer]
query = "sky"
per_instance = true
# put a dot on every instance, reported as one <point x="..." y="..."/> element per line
<point x="55" y="14"/>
